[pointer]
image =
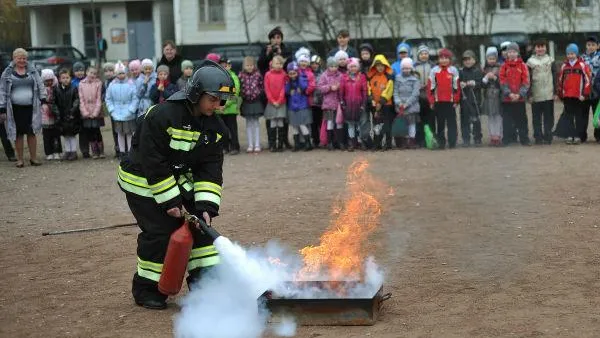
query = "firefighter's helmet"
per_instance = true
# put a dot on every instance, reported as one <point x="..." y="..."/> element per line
<point x="212" y="79"/>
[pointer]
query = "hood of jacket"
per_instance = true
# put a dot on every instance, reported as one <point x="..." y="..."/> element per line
<point x="400" y="46"/>
<point x="9" y="69"/>
<point x="383" y="60"/>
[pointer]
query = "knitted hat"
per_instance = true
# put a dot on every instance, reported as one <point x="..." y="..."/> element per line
<point x="332" y="62"/>
<point x="186" y="64"/>
<point x="513" y="46"/>
<point x="147" y="63"/>
<point x="303" y="54"/>
<point x="134" y="65"/>
<point x="403" y="48"/>
<point x="315" y="59"/>
<point x="592" y="38"/>
<point x="469" y="54"/>
<point x="275" y="31"/>
<point x="422" y="49"/>
<point x="213" y="57"/>
<point x="120" y="68"/>
<point x="491" y="51"/>
<point x="572" y="48"/>
<point x="445" y="53"/>
<point x="108" y="66"/>
<point x="354" y="62"/>
<point x="292" y="66"/>
<point x="366" y="46"/>
<point x="340" y="55"/>
<point x="504" y="45"/>
<point x="406" y="63"/>
<point x="78" y="67"/>
<point x="162" y="68"/>
<point x="47" y="74"/>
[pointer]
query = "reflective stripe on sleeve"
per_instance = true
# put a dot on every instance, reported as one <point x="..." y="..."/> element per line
<point x="183" y="134"/>
<point x="207" y="196"/>
<point x="163" y="185"/>
<point x="208" y="186"/>
<point x="167" y="195"/>
<point x="134" y="189"/>
<point x="181" y="145"/>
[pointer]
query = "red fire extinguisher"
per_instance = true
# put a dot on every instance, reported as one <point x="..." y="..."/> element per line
<point x="176" y="260"/>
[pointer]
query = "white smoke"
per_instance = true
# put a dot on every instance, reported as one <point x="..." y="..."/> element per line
<point x="225" y="303"/>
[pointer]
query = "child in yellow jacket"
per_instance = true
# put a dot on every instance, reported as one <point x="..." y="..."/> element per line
<point x="381" y="91"/>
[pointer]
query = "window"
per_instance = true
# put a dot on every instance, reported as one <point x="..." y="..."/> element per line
<point x="280" y="10"/>
<point x="510" y="4"/>
<point x="582" y="3"/>
<point x="211" y="11"/>
<point x="504" y="4"/>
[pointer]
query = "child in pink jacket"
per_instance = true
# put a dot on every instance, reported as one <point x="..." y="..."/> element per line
<point x="90" y="106"/>
<point x="353" y="96"/>
<point x="329" y="85"/>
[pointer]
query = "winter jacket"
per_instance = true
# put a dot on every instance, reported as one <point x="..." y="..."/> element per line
<point x="366" y="65"/>
<point x="90" y="98"/>
<point x="381" y="85"/>
<point x="76" y="81"/>
<point x="121" y="100"/>
<point x="353" y="95"/>
<point x="66" y="109"/>
<point x="264" y="60"/>
<point x="158" y="96"/>
<point x="251" y="86"/>
<point x="297" y="98"/>
<point x="596" y="87"/>
<point x="232" y="106"/>
<point x="542" y="78"/>
<point x="275" y="86"/>
<point x="593" y="61"/>
<point x="182" y="82"/>
<point x="331" y="98"/>
<point x="174" y="67"/>
<point x="574" y="80"/>
<point x="423" y="69"/>
<point x="48" y="116"/>
<point x="312" y="83"/>
<point x="143" y="93"/>
<point x="396" y="67"/>
<point x="514" y="79"/>
<point x="39" y="94"/>
<point x="470" y="96"/>
<point x="317" y="97"/>
<point x="442" y="85"/>
<point x="352" y="53"/>
<point x="406" y="91"/>
<point x="492" y="93"/>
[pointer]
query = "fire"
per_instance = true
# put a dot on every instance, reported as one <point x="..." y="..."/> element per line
<point x="341" y="252"/>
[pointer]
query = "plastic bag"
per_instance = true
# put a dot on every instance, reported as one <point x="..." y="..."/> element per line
<point x="596" y="119"/>
<point x="339" y="115"/>
<point x="430" y="140"/>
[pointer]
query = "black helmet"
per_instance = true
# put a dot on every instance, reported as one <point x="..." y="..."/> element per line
<point x="212" y="79"/>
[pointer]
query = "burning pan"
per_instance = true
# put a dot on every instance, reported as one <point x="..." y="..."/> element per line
<point x="334" y="309"/>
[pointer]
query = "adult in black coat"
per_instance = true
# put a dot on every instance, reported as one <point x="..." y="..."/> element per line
<point x="343" y="40"/>
<point x="172" y="60"/>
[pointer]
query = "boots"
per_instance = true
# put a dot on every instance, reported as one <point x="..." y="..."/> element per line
<point x="351" y="143"/>
<point x="307" y="143"/>
<point x="94" y="146"/>
<point x="100" y="145"/>
<point x="339" y="135"/>
<point x="297" y="145"/>
<point x="412" y="143"/>
<point x="272" y="135"/>
<point x="286" y="140"/>
<point x="330" y="140"/>
<point x="281" y="138"/>
<point x="377" y="142"/>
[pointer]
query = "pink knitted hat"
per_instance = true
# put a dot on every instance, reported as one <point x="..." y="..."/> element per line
<point x="135" y="65"/>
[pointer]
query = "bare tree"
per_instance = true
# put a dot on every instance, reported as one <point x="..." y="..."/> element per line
<point x="248" y="15"/>
<point x="562" y="15"/>
<point x="14" y="25"/>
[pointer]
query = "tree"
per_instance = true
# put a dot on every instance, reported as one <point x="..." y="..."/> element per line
<point x="562" y="15"/>
<point x="248" y="15"/>
<point x="14" y="25"/>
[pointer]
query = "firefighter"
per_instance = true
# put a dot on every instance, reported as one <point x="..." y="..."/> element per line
<point x="176" y="164"/>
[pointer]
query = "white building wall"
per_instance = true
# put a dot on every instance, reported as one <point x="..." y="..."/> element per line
<point x="76" y="24"/>
<point x="114" y="15"/>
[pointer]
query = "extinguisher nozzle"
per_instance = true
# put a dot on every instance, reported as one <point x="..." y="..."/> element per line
<point x="208" y="230"/>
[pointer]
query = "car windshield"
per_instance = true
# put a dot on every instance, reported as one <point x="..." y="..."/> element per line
<point x="40" y="53"/>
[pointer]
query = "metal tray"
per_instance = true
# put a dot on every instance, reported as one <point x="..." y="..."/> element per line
<point x="326" y="311"/>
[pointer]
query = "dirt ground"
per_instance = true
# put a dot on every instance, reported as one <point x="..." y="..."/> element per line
<point x="476" y="242"/>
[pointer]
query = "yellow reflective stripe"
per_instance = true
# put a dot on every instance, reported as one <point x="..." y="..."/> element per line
<point x="151" y="275"/>
<point x="133" y="179"/>
<point x="203" y="251"/>
<point x="163" y="185"/>
<point x="185" y="183"/>
<point x="156" y="267"/>
<point x="167" y="195"/>
<point x="134" y="189"/>
<point x="219" y="136"/>
<point x="207" y="196"/>
<point x="181" y="145"/>
<point x="203" y="262"/>
<point x="183" y="134"/>
<point x="208" y="186"/>
<point x="148" y="111"/>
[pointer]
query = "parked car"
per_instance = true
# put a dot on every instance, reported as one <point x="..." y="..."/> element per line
<point x="236" y="54"/>
<point x="520" y="38"/>
<point x="5" y="59"/>
<point x="55" y="57"/>
<point x="434" y="44"/>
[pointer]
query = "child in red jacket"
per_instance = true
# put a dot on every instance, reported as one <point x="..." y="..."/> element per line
<point x="443" y="93"/>
<point x="276" y="110"/>
<point x="353" y="97"/>
<point x="514" y="82"/>
<point x="574" y="86"/>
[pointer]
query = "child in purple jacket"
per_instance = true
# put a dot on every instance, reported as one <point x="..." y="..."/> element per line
<point x="299" y="113"/>
<point x="329" y="85"/>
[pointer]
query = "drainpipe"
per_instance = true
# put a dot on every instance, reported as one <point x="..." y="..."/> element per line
<point x="97" y="61"/>
<point x="177" y="21"/>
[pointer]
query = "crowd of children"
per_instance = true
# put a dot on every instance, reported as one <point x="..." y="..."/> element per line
<point x="344" y="102"/>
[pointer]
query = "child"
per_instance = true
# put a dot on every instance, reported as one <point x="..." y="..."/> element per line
<point x="443" y="93"/>
<point x="402" y="51"/>
<point x="162" y="88"/>
<point x="109" y="74"/>
<point x="50" y="131"/>
<point x="366" y="57"/>
<point x="341" y="58"/>
<point x="230" y="112"/>
<point x="542" y="72"/>
<point x="574" y="86"/>
<point x="423" y="68"/>
<point x="187" y="70"/>
<point x="90" y="106"/>
<point x="276" y="110"/>
<point x="470" y="83"/>
<point x="381" y="89"/>
<point x="122" y="103"/>
<point x="504" y="52"/>
<point x="514" y="80"/>
<point x="135" y="69"/>
<point x="299" y="114"/>
<point x="143" y="85"/>
<point x="304" y="70"/>
<point x="407" y="88"/>
<point x="66" y="109"/>
<point x="592" y="59"/>
<point x="78" y="73"/>
<point x="317" y="101"/>
<point x="492" y="106"/>
<point x="353" y="94"/>
<point x="251" y="84"/>
<point x="329" y="85"/>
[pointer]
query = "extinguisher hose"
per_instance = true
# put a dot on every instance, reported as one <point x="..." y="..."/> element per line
<point x="200" y="223"/>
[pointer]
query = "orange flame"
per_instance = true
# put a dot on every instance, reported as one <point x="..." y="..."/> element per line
<point x="341" y="252"/>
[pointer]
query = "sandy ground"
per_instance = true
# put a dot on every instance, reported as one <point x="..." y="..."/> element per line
<point x="476" y="242"/>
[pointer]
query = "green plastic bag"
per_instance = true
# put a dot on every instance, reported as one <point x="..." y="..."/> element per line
<point x="400" y="127"/>
<point x="596" y="120"/>
<point x="430" y="140"/>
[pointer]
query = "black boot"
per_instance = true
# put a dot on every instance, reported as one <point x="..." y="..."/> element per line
<point x="330" y="140"/>
<point x="377" y="142"/>
<point x="307" y="143"/>
<point x="146" y="294"/>
<point x="296" y="143"/>
<point x="286" y="140"/>
<point x="339" y="135"/>
<point x="281" y="138"/>
<point x="272" y="134"/>
<point x="351" y="141"/>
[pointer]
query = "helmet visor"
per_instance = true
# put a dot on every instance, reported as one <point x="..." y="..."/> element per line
<point x="223" y="97"/>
